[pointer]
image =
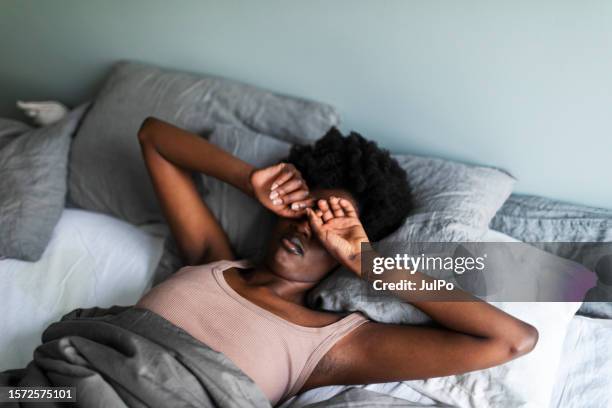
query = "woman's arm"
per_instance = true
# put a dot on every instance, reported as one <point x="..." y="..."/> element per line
<point x="192" y="152"/>
<point x="473" y="334"/>
<point x="376" y="352"/>
<point x="171" y="154"/>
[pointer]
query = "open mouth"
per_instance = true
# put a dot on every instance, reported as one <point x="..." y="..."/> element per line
<point x="293" y="244"/>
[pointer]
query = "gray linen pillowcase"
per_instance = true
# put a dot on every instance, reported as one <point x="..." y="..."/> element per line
<point x="33" y="172"/>
<point x="453" y="202"/>
<point x="11" y="129"/>
<point x="119" y="184"/>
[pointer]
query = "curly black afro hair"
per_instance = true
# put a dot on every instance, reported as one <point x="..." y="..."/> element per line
<point x="359" y="166"/>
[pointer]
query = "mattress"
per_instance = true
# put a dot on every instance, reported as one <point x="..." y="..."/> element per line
<point x="92" y="260"/>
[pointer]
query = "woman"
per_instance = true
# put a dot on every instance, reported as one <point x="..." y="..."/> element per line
<point x="256" y="314"/>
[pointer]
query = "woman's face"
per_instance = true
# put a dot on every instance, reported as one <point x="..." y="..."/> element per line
<point x="294" y="253"/>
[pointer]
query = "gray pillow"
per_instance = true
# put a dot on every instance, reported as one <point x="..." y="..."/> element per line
<point x="246" y="222"/>
<point x="453" y="202"/>
<point x="33" y="170"/>
<point x="11" y="129"/>
<point x="118" y="184"/>
<point x="538" y="219"/>
<point x="463" y="197"/>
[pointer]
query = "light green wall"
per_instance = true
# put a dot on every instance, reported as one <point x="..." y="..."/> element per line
<point x="524" y="85"/>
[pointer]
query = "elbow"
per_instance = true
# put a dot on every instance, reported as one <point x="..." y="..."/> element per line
<point x="523" y="342"/>
<point x="146" y="129"/>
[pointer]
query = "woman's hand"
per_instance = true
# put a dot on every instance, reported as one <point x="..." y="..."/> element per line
<point x="336" y="224"/>
<point x="281" y="189"/>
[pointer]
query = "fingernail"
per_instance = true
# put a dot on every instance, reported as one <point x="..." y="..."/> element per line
<point x="273" y="195"/>
<point x="295" y="206"/>
<point x="277" y="201"/>
<point x="274" y="186"/>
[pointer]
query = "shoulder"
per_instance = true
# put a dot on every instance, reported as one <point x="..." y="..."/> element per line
<point x="220" y="264"/>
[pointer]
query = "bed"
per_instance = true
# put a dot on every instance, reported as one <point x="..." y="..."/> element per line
<point x="79" y="269"/>
<point x="107" y="244"/>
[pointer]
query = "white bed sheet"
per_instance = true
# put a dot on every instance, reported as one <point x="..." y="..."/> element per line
<point x="92" y="260"/>
<point x="585" y="374"/>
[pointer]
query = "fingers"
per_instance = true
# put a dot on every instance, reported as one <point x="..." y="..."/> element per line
<point x="286" y="174"/>
<point x="334" y="203"/>
<point x="302" y="205"/>
<point x="289" y="188"/>
<point x="348" y="208"/>
<point x="295" y="183"/>
<point x="336" y="207"/>
<point x="315" y="220"/>
<point x="325" y="210"/>
<point x="295" y="196"/>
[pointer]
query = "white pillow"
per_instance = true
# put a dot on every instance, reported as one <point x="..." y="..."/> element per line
<point x="91" y="260"/>
<point x="525" y="382"/>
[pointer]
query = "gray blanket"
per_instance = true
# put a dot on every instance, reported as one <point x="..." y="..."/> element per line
<point x="129" y="357"/>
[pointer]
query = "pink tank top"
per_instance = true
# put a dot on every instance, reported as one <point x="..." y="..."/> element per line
<point x="276" y="354"/>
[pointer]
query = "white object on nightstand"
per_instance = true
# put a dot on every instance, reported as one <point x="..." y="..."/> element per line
<point x="44" y="112"/>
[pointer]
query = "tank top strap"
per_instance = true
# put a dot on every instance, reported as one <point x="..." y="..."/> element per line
<point x="226" y="264"/>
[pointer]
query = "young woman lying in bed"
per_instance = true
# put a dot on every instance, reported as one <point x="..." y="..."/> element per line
<point x="329" y="198"/>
